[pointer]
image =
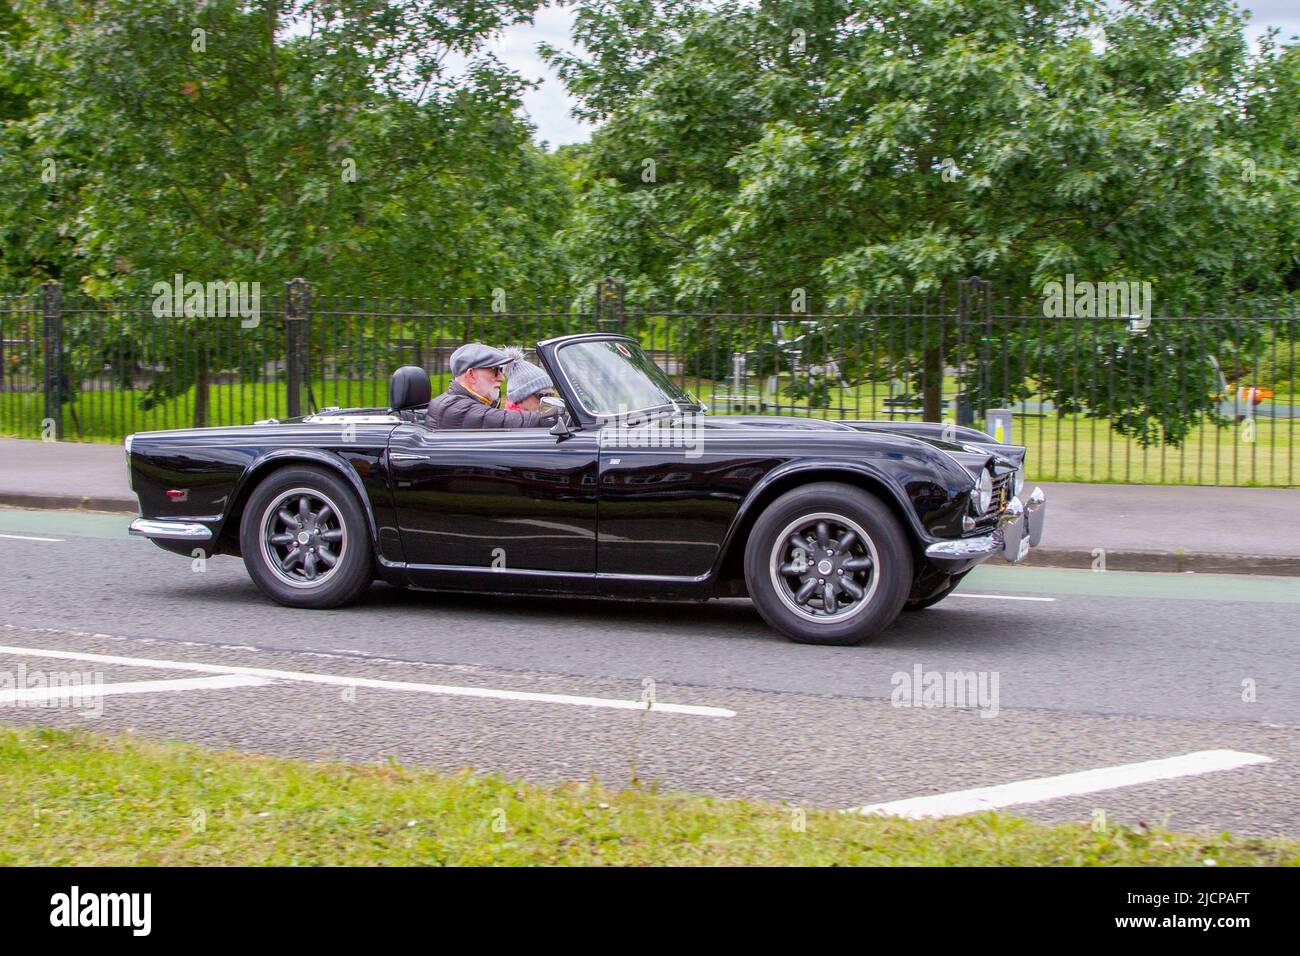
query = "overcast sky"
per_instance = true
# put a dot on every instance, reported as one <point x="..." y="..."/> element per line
<point x="548" y="106"/>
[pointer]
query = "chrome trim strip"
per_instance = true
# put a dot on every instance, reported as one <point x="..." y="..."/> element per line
<point x="499" y="572"/>
<point x="346" y="419"/>
<point x="130" y="478"/>
<point x="559" y="575"/>
<point x="966" y="549"/>
<point x="171" y="530"/>
<point x="1036" y="516"/>
<point x="1012" y="526"/>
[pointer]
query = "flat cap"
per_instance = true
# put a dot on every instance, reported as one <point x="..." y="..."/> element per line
<point x="476" y="355"/>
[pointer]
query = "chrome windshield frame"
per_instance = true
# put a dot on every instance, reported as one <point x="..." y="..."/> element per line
<point x="671" y="405"/>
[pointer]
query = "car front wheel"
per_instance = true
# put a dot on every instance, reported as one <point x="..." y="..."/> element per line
<point x="304" y="539"/>
<point x="828" y="563"/>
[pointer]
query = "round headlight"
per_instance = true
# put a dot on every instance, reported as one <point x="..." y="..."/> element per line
<point x="985" y="489"/>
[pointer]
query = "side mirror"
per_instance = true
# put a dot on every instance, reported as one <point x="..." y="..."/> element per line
<point x="551" y="405"/>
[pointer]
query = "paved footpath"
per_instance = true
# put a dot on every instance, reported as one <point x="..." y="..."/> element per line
<point x="1129" y="527"/>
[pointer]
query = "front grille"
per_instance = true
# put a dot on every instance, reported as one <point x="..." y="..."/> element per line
<point x="1002" y="492"/>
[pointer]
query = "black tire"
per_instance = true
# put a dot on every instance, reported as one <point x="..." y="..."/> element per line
<point x="841" y="617"/>
<point x="948" y="587"/>
<point x="303" y="576"/>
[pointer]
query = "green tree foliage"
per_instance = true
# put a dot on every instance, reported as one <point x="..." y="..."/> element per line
<point x="13" y="103"/>
<point x="868" y="148"/>
<point x="257" y="140"/>
<point x="262" y="140"/>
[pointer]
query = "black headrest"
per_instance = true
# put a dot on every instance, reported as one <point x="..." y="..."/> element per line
<point x="409" y="388"/>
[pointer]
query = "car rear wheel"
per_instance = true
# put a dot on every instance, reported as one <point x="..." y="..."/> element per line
<point x="304" y="539"/>
<point x="828" y="563"/>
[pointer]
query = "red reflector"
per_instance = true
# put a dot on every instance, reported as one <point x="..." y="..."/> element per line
<point x="176" y="492"/>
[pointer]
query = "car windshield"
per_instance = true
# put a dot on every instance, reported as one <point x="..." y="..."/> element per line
<point x="616" y="377"/>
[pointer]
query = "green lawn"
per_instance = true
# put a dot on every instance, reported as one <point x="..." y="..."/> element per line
<point x="1077" y="448"/>
<point x="82" y="798"/>
<point x="111" y="414"/>
<point x="1070" y="448"/>
<point x="1080" y="448"/>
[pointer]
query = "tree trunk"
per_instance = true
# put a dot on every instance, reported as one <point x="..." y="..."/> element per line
<point x="932" y="391"/>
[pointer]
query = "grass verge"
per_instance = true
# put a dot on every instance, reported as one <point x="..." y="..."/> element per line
<point x="84" y="798"/>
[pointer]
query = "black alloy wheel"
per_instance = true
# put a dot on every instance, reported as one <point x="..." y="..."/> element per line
<point x="828" y="563"/>
<point x="305" y="539"/>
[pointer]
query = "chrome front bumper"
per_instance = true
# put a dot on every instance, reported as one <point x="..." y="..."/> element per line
<point x="170" y="530"/>
<point x="1019" y="528"/>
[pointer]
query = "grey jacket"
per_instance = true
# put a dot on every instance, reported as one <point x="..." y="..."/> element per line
<point x="458" y="408"/>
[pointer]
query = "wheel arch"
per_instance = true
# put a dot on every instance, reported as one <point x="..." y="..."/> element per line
<point x="272" y="461"/>
<point x="731" y="566"/>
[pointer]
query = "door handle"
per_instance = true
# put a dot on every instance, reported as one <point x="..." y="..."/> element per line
<point x="399" y="456"/>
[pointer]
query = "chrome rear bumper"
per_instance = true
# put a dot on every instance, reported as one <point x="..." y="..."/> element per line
<point x="1020" y="528"/>
<point x="171" y="530"/>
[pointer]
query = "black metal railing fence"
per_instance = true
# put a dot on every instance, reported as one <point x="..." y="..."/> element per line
<point x="1199" y="393"/>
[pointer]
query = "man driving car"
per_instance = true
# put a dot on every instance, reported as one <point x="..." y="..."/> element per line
<point x="470" y="399"/>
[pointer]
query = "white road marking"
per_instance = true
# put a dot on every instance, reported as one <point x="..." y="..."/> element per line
<point x="340" y="680"/>
<point x="1066" y="785"/>
<point x="27" y="537"/>
<point x="91" y="690"/>
<point x="998" y="597"/>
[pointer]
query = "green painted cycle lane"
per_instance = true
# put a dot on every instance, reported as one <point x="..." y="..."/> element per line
<point x="1251" y="588"/>
<point x="989" y="578"/>
<point x="63" y="524"/>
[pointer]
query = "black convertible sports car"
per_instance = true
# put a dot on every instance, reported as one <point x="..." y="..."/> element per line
<point x="831" y="528"/>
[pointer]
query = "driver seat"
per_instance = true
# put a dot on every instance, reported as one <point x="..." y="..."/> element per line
<point x="409" y="389"/>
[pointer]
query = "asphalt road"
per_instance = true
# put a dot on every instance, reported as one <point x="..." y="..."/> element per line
<point x="1078" y="671"/>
